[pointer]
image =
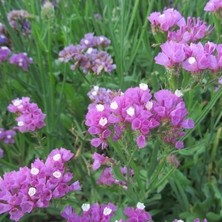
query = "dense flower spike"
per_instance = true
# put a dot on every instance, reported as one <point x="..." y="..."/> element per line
<point x="29" y="188"/>
<point x="21" y="60"/>
<point x="213" y="6"/>
<point x="30" y="116"/>
<point x="169" y="19"/>
<point x="88" y="56"/>
<point x="18" y="19"/>
<point x="136" y="109"/>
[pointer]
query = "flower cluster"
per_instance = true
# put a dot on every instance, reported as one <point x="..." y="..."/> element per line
<point x="213" y="6"/>
<point x="177" y="28"/>
<point x="193" y="58"/>
<point x="7" y="136"/>
<point x="88" y="56"/>
<point x="99" y="95"/>
<point x="193" y="30"/>
<point x="29" y="188"/>
<point x="30" y="116"/>
<point x="18" y="19"/>
<point x="170" y="18"/>
<point x="21" y="59"/>
<point x="137" y="110"/>
<point x="105" y="212"/>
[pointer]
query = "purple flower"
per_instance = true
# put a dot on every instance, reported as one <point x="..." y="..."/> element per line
<point x="30" y="116"/>
<point x="94" y="212"/>
<point x="193" y="30"/>
<point x="99" y="160"/>
<point x="172" y="54"/>
<point x="18" y="19"/>
<point x="87" y="56"/>
<point x="137" y="214"/>
<point x="167" y="20"/>
<point x="29" y="188"/>
<point x="213" y="6"/>
<point x="4" y="53"/>
<point x="21" y="60"/>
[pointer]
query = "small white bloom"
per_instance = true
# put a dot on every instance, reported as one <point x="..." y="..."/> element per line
<point x="191" y="60"/>
<point x="140" y="206"/>
<point x="143" y="86"/>
<point x="114" y="105"/>
<point x="9" y="136"/>
<point x="32" y="191"/>
<point x="57" y="157"/>
<point x="86" y="42"/>
<point x="57" y="174"/>
<point x="180" y="221"/>
<point x="20" y="123"/>
<point x="85" y="207"/>
<point x="4" y="47"/>
<point x="149" y="105"/>
<point x="89" y="50"/>
<point x="17" y="102"/>
<point x="101" y="39"/>
<point x="107" y="211"/>
<point x="100" y="107"/>
<point x="103" y="121"/>
<point x="34" y="171"/>
<point x="130" y="111"/>
<point x="178" y="93"/>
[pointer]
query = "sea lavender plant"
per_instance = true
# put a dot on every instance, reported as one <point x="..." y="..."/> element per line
<point x="18" y="19"/>
<point x="24" y="190"/>
<point x="21" y="60"/>
<point x="88" y="56"/>
<point x="136" y="110"/>
<point x="29" y="115"/>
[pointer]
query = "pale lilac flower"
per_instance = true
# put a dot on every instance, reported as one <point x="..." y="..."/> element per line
<point x="4" y="53"/>
<point x="21" y="60"/>
<point x="30" y="116"/>
<point x="18" y="19"/>
<point x="9" y="136"/>
<point x="167" y="20"/>
<point x="88" y="56"/>
<point x="29" y="188"/>
<point x="213" y="6"/>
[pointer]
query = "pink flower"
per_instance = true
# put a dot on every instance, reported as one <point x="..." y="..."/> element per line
<point x="167" y="20"/>
<point x="172" y="54"/>
<point x="213" y="6"/>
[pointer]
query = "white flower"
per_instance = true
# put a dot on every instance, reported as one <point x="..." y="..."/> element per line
<point x="130" y="111"/>
<point x="85" y="207"/>
<point x="107" y="211"/>
<point x="103" y="121"/>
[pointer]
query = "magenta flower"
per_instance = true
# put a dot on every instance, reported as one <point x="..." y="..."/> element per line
<point x="197" y="60"/>
<point x="30" y="116"/>
<point x="21" y="60"/>
<point x="193" y="30"/>
<point x="172" y="54"/>
<point x="29" y="188"/>
<point x="213" y="6"/>
<point x="167" y="20"/>
<point x="94" y="212"/>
